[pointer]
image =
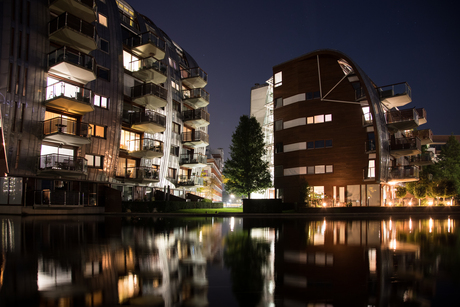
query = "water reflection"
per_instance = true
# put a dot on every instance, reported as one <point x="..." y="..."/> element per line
<point x="108" y="261"/>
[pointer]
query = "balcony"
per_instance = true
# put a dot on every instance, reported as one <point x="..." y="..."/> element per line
<point x="62" y="165"/>
<point x="195" y="139"/>
<point x="421" y="115"/>
<point x="140" y="175"/>
<point x="69" y="98"/>
<point x="190" y="181"/>
<point x="369" y="146"/>
<point x="426" y="158"/>
<point x="147" y="44"/>
<point x="149" y="70"/>
<point x="84" y="9"/>
<point x="196" y="160"/>
<point x="196" y="98"/>
<point x="194" y="77"/>
<point x="69" y="30"/>
<point x="148" y="121"/>
<point x="149" y="95"/>
<point x="72" y="65"/>
<point x="403" y="173"/>
<point x="196" y="118"/>
<point x="425" y="135"/>
<point x="405" y="147"/>
<point x="145" y="148"/>
<point x="67" y="131"/>
<point x="395" y="95"/>
<point x="402" y="119"/>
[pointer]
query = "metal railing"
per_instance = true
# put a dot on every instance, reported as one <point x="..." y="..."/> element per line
<point x="63" y="162"/>
<point x="58" y="198"/>
<point x="193" y="159"/>
<point x="195" y="136"/>
<point x="140" y="172"/>
<point x="149" y="89"/>
<point x="195" y="114"/>
<point x="148" y="116"/>
<point x="369" y="146"/>
<point x="424" y="157"/>
<point x="190" y="181"/>
<point x="67" y="126"/>
<point x="195" y="93"/>
<point x="73" y="22"/>
<point x="65" y="54"/>
<point x="145" y="144"/>
<point x="146" y="38"/>
<point x="148" y="63"/>
<point x="68" y="90"/>
<point x="396" y="89"/>
<point x="406" y="143"/>
<point x="425" y="134"/>
<point x="404" y="172"/>
<point x="193" y="72"/>
<point x="397" y="116"/>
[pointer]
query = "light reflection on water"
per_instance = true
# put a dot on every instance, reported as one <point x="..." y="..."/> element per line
<point x="108" y="261"/>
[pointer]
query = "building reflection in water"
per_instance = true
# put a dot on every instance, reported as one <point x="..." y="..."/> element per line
<point x="109" y="261"/>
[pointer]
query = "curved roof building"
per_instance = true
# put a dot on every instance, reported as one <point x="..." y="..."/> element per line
<point x="342" y="135"/>
<point x="97" y="98"/>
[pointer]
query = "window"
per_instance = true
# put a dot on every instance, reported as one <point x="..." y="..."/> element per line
<point x="101" y="101"/>
<point x="316" y="95"/>
<point x="94" y="161"/>
<point x="98" y="131"/>
<point x="279" y="147"/>
<point x="130" y="140"/>
<point x="319" y="144"/>
<point x="279" y="125"/>
<point x="278" y="102"/>
<point x="279" y="79"/>
<point x="174" y="150"/>
<point x="319" y="119"/>
<point x="176" y="128"/>
<point x="371" y="169"/>
<point x="279" y="171"/>
<point x="328" y="117"/>
<point x="102" y="20"/>
<point x="104" y="45"/>
<point x="310" y="145"/>
<point x="130" y="62"/>
<point x="310" y="170"/>
<point x="320" y="169"/>
<point x="172" y="63"/>
<point x="310" y="120"/>
<point x="329" y="168"/>
<point x="103" y="73"/>
<point x="328" y="143"/>
<point x="176" y="106"/>
<point x="172" y="173"/>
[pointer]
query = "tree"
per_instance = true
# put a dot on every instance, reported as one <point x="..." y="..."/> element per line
<point x="401" y="192"/>
<point x="448" y="165"/>
<point x="245" y="171"/>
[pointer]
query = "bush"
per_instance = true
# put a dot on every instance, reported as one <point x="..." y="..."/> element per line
<point x="167" y="206"/>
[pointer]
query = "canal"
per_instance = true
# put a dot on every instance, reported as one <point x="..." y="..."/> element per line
<point x="228" y="261"/>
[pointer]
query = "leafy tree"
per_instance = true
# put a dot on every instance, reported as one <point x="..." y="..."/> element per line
<point x="448" y="165"/>
<point x="304" y="192"/>
<point x="245" y="171"/>
<point x="401" y="192"/>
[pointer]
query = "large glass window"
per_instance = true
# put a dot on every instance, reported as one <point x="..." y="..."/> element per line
<point x="130" y="140"/>
<point x="371" y="169"/>
<point x="278" y="78"/>
<point x="130" y="62"/>
<point x="101" y="101"/>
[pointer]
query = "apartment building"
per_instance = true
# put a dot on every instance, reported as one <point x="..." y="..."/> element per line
<point x="212" y="173"/>
<point x="350" y="140"/>
<point x="96" y="97"/>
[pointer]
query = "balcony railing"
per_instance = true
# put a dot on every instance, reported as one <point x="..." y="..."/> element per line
<point x="150" y="95"/>
<point x="86" y="9"/>
<point x="425" y="135"/>
<point x="369" y="146"/>
<point x="58" y="198"/>
<point x="194" y="77"/>
<point x="195" y="138"/>
<point x="71" y="64"/>
<point x="405" y="146"/>
<point x="402" y="119"/>
<point x="82" y="34"/>
<point x="425" y="158"/>
<point x="421" y="112"/>
<point x="66" y="126"/>
<point x="149" y="70"/>
<point x="196" y="118"/>
<point x="146" y="43"/>
<point x="196" y="98"/>
<point x="193" y="159"/>
<point x="140" y="173"/>
<point x="145" y="148"/>
<point x="190" y="181"/>
<point x="68" y="97"/>
<point x="404" y="173"/>
<point x="395" y="95"/>
<point x="63" y="162"/>
<point x="148" y="121"/>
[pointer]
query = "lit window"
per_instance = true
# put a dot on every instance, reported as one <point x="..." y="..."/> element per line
<point x="371" y="169"/>
<point x="100" y="101"/>
<point x="310" y="170"/>
<point x="102" y="20"/>
<point x="94" y="161"/>
<point x="98" y="131"/>
<point x="278" y="78"/>
<point x="320" y="169"/>
<point x="329" y="168"/>
<point x="310" y="120"/>
<point x="319" y="119"/>
<point x="328" y="117"/>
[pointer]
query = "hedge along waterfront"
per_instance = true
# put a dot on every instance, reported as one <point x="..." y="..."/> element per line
<point x="166" y="206"/>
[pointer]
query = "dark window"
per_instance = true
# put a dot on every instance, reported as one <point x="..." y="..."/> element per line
<point x="104" y="45"/>
<point x="328" y="143"/>
<point x="176" y="106"/>
<point x="175" y="150"/>
<point x="278" y="102"/>
<point x="319" y="144"/>
<point x="176" y="128"/>
<point x="309" y="96"/>
<point x="279" y="147"/>
<point x="316" y="95"/>
<point x="103" y="73"/>
<point x="310" y="145"/>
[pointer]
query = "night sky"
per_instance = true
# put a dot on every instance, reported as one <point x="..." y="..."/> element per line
<point x="238" y="42"/>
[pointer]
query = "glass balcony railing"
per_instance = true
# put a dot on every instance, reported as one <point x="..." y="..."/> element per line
<point x="70" y="91"/>
<point x="144" y="144"/>
<point x="193" y="159"/>
<point x="404" y="173"/>
<point x="406" y="144"/>
<point x="148" y="116"/>
<point x="193" y="73"/>
<point x="195" y="93"/>
<point x="195" y="136"/>
<point x="65" y="54"/>
<point x="73" y="22"/>
<point x="85" y="9"/>
<point x="149" y="89"/>
<point x="144" y="39"/>
<point x="148" y="63"/>
<point x="393" y="90"/>
<point x="63" y="162"/>
<point x="422" y="159"/>
<point x="141" y="173"/>
<point x="68" y="126"/>
<point x="195" y="115"/>
<point x="190" y="181"/>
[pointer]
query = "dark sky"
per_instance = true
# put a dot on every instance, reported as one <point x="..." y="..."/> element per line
<point x="238" y="42"/>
